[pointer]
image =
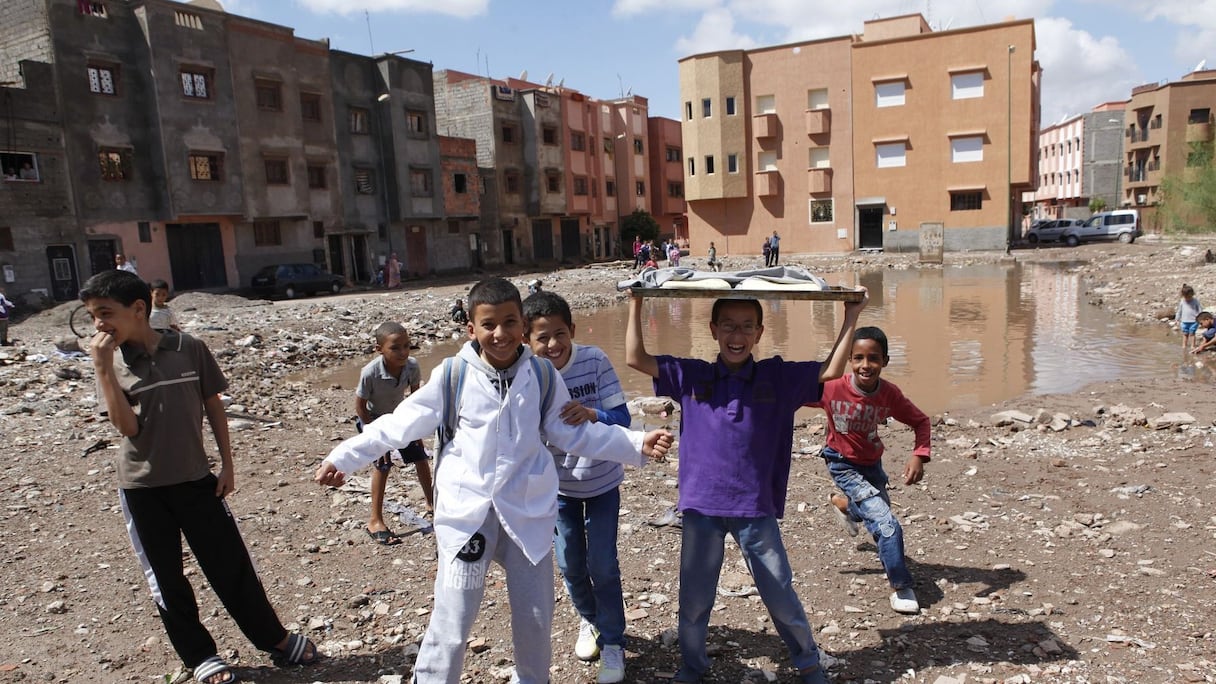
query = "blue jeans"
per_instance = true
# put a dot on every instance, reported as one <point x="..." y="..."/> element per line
<point x="866" y="487"/>
<point x="701" y="550"/>
<point x="585" y="548"/>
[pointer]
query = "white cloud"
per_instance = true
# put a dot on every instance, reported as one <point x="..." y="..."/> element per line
<point x="715" y="31"/>
<point x="1196" y="19"/>
<point x="629" y="8"/>
<point x="457" y="8"/>
<point x="1080" y="70"/>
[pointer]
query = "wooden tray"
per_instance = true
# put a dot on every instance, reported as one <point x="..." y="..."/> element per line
<point x="832" y="294"/>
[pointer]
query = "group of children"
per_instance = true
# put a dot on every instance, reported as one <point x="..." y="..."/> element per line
<point x="533" y="433"/>
<point x="1198" y="327"/>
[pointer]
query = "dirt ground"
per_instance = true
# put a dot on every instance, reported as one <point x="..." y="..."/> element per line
<point x="1074" y="543"/>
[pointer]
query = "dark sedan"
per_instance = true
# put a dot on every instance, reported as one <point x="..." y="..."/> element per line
<point x="293" y="280"/>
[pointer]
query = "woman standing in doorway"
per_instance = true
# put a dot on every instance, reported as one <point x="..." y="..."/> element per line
<point x="392" y="272"/>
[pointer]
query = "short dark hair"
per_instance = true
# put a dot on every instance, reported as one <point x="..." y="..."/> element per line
<point x="875" y="333"/>
<point x="124" y="287"/>
<point x="383" y="330"/>
<point x="158" y="284"/>
<point x="546" y="303"/>
<point x="727" y="301"/>
<point x="1204" y="316"/>
<point x="494" y="291"/>
<point x="1187" y="290"/>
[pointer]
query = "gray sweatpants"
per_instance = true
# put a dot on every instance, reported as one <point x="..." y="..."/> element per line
<point x="459" y="586"/>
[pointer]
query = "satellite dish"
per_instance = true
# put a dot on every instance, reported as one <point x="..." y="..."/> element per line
<point x="1199" y="67"/>
<point x="561" y="82"/>
<point x="523" y="75"/>
<point x="549" y="79"/>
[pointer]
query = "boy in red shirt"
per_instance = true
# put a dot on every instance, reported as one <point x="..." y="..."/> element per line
<point x="856" y="405"/>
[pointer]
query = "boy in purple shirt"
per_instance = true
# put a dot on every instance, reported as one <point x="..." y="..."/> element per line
<point x="737" y="434"/>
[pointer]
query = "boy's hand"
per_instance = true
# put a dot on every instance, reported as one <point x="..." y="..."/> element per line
<point x="575" y="413"/>
<point x="329" y="476"/>
<point x="101" y="347"/>
<point x="856" y="307"/>
<point x="225" y="483"/>
<point x="656" y="444"/>
<point x="914" y="471"/>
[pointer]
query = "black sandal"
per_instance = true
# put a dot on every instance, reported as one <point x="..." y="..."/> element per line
<point x="299" y="651"/>
<point x="211" y="667"/>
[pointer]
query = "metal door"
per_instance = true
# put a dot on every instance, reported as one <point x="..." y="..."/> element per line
<point x="570" y="240"/>
<point x="869" y="227"/>
<point x="542" y="240"/>
<point x="196" y="255"/>
<point x="65" y="281"/>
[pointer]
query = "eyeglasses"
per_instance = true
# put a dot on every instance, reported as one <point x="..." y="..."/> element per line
<point x="732" y="328"/>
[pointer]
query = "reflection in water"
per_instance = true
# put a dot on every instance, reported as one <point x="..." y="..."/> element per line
<point x="960" y="336"/>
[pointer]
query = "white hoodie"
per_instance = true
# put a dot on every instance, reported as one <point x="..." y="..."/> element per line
<point x="496" y="457"/>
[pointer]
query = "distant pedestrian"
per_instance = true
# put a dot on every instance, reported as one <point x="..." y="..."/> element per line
<point x="767" y="249"/>
<point x="1188" y="309"/>
<point x="392" y="272"/>
<point x="122" y="264"/>
<point x="6" y="307"/>
<point x="637" y="251"/>
<point x="457" y="312"/>
<point x="713" y="258"/>
<point x="774" y="248"/>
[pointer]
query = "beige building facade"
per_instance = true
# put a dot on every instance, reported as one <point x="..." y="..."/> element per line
<point x="853" y="142"/>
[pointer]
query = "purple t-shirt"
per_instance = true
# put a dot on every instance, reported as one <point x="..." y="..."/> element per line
<point x="736" y="431"/>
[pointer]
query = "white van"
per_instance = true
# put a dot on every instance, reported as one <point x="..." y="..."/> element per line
<point x="1122" y="225"/>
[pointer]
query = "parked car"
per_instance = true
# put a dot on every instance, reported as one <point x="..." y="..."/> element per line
<point x="1049" y="230"/>
<point x="1122" y="225"/>
<point x="292" y="280"/>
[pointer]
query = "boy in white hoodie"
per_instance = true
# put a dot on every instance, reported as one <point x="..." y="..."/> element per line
<point x="495" y="481"/>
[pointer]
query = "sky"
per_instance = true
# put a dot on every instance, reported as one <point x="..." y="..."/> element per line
<point x="1091" y="51"/>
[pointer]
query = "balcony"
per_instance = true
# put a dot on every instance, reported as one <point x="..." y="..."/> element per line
<point x="768" y="183"/>
<point x="1135" y="136"/>
<point x="764" y="125"/>
<point x="1199" y="132"/>
<point x="819" y="181"/>
<point x="818" y="121"/>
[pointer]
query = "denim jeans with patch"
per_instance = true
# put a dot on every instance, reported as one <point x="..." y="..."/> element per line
<point x="869" y="503"/>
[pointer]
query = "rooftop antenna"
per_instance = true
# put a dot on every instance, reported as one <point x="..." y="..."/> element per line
<point x="620" y="84"/>
<point x="370" y="44"/>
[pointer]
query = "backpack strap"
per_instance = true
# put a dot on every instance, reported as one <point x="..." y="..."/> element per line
<point x="546" y="376"/>
<point x="454" y="369"/>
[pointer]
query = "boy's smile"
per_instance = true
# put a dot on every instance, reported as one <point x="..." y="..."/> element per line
<point x="736" y="332"/>
<point x="867" y="362"/>
<point x="550" y="338"/>
<point x="113" y="318"/>
<point x="499" y="330"/>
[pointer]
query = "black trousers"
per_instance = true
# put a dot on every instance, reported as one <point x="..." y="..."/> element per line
<point x="157" y="518"/>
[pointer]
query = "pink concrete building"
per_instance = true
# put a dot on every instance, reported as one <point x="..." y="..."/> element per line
<point x="667" y="175"/>
<point x="1061" y="158"/>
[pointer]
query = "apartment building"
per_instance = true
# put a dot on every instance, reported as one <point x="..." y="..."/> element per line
<point x="853" y="142"/>
<point x="667" y="175"/>
<point x="1080" y="162"/>
<point x="1166" y="123"/>
<point x="461" y="198"/>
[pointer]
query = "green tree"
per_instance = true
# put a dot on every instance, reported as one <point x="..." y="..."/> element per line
<point x="1188" y="200"/>
<point x="1097" y="205"/>
<point x="641" y="224"/>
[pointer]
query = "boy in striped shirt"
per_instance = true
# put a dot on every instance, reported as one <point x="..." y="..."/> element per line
<point x="589" y="494"/>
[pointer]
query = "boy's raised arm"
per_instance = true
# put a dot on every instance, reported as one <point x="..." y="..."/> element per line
<point x="834" y="367"/>
<point x="635" y="349"/>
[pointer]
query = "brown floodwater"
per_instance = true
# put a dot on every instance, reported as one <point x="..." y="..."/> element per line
<point x="959" y="336"/>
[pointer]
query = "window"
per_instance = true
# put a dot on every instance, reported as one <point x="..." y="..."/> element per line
<point x="420" y="182"/>
<point x="707" y="106"/>
<point x="553" y="181"/>
<point x="688" y="110"/>
<point x="92" y="8"/>
<point x="548" y="135"/>
<point x="610" y="189"/>
<point x="460" y="183"/>
<point x="276" y="171"/>
<point x="580" y="185"/>
<point x="730" y="106"/>
<point x="819" y="158"/>
<point x="316" y="177"/>
<point x="6" y="240"/>
<point x="889" y="94"/>
<point x="1200" y="116"/>
<point x="266" y="234"/>
<point x="767" y="161"/>
<point x="609" y="148"/>
<point x="673" y="154"/>
<point x="817" y="98"/>
<point x="188" y="20"/>
<point x="640" y="188"/>
<point x="318" y="229"/>
<point x="20" y="166"/>
<point x="969" y="200"/>
<point x="968" y="149"/>
<point x="269" y="95"/>
<point x="890" y="155"/>
<point x="638" y="148"/>
<point x="145" y="231"/>
<point x="103" y="79"/>
<point x="967" y="85"/>
<point x="508" y="133"/>
<point x="356" y="120"/>
<point x="453" y="227"/>
<point x="115" y="164"/>
<point x="365" y="182"/>
<point x="675" y="189"/>
<point x="511" y="182"/>
<point x="196" y="83"/>
<point x="578" y="141"/>
<point x="692" y="166"/>
<point x="709" y="164"/>
<point x="415" y="123"/>
<point x="822" y="211"/>
<point x="310" y="107"/>
<point x="732" y="163"/>
<point x="205" y="167"/>
<point x="766" y="104"/>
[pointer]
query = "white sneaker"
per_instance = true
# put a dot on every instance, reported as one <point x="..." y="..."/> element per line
<point x="612" y="665"/>
<point x="904" y="601"/>
<point x="586" y="648"/>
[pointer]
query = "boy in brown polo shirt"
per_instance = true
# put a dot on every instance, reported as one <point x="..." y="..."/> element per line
<point x="155" y="388"/>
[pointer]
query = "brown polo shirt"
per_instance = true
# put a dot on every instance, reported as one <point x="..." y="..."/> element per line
<point x="166" y="388"/>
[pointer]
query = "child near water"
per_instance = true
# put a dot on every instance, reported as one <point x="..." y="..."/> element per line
<point x="1186" y="315"/>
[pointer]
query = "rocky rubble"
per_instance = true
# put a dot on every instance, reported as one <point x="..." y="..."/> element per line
<point x="1054" y="539"/>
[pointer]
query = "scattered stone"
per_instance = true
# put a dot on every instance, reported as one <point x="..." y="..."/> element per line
<point x="479" y="645"/>
<point x="1006" y="418"/>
